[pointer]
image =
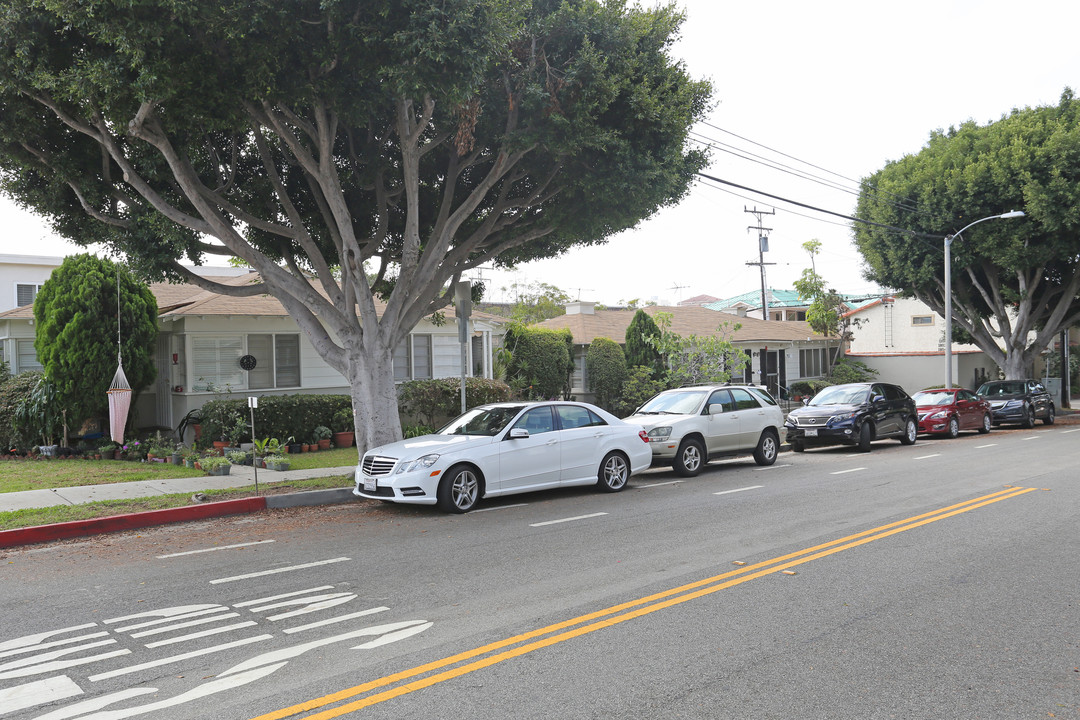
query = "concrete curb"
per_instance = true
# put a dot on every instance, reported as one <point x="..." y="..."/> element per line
<point x="310" y="497"/>
<point x="131" y="521"/>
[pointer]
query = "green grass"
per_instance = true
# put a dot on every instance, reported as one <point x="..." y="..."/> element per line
<point x="338" y="457"/>
<point x="19" y="475"/>
<point x="65" y="513"/>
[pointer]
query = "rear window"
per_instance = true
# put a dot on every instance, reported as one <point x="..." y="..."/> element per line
<point x="762" y="395"/>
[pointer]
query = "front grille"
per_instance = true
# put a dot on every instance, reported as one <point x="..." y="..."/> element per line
<point x="377" y="466"/>
<point x="803" y="421"/>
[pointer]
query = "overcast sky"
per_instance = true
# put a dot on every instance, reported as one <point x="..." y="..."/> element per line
<point x="845" y="86"/>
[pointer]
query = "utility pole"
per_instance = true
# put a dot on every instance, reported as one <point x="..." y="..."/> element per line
<point x="763" y="247"/>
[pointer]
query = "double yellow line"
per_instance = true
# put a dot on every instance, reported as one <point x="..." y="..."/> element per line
<point x="497" y="652"/>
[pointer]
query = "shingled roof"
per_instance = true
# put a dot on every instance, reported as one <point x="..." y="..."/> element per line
<point x="685" y="321"/>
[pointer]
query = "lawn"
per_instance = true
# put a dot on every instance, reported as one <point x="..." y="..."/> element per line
<point x="65" y="513"/>
<point x="18" y="475"/>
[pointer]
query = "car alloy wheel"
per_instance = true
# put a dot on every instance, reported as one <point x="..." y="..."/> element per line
<point x="767" y="447"/>
<point x="690" y="458"/>
<point x="459" y="490"/>
<point x="954" y="427"/>
<point x="911" y="432"/>
<point x="614" y="472"/>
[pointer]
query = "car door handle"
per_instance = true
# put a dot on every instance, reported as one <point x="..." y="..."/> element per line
<point x="551" y="442"/>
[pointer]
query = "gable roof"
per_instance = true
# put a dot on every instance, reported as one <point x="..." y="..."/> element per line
<point x="685" y="321"/>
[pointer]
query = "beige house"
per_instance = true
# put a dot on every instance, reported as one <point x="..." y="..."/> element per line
<point x="780" y="352"/>
<point x="202" y="337"/>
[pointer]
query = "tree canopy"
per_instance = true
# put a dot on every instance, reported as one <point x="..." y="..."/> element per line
<point x="323" y="141"/>
<point x="75" y="318"/>
<point x="1011" y="278"/>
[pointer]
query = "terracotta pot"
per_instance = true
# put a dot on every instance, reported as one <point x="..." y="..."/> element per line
<point x="304" y="447"/>
<point x="344" y="439"/>
<point x="324" y="444"/>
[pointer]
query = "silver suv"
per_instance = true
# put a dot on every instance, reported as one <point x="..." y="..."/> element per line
<point x="689" y="426"/>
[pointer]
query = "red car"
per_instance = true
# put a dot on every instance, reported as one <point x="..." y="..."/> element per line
<point x="948" y="411"/>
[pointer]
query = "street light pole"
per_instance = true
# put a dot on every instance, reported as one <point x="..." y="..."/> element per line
<point x="948" y="287"/>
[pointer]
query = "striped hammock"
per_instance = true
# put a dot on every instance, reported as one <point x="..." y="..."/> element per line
<point x="119" y="404"/>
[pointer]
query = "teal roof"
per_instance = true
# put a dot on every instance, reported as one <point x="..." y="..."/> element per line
<point x="785" y="298"/>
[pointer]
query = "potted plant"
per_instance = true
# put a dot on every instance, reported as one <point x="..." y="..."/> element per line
<point x="177" y="456"/>
<point x="345" y="428"/>
<point x="236" y="432"/>
<point x="215" y="465"/>
<point x="239" y="457"/>
<point x="190" y="457"/>
<point x="322" y="434"/>
<point x="277" y="462"/>
<point x="108" y="450"/>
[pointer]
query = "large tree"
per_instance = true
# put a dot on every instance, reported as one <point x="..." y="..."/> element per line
<point x="348" y="151"/>
<point x="1015" y="281"/>
<point x="77" y="329"/>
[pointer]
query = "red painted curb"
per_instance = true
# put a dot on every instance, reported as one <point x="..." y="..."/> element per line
<point x="131" y="521"/>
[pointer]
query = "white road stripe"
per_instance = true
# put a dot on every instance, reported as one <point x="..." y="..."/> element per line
<point x="38" y="692"/>
<point x="569" y="519"/>
<point x="331" y="621"/>
<point x="927" y="457"/>
<point x="172" y="618"/>
<point x="652" y="485"/>
<point x="36" y="638"/>
<point x="728" y="492"/>
<point x="1032" y="437"/>
<point x="1066" y="432"/>
<point x="249" y="603"/>
<point x="500" y="507"/>
<point x="61" y="665"/>
<point x="980" y="447"/>
<point x="203" y="633"/>
<point x="181" y="626"/>
<point x="55" y="643"/>
<point x="842" y="472"/>
<point x="177" y="658"/>
<point x="776" y="465"/>
<point x="213" y="549"/>
<point x="262" y="573"/>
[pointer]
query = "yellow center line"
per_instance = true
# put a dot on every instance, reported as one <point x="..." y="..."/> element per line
<point x="651" y="603"/>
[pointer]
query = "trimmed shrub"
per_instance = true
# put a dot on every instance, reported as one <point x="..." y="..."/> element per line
<point x="638" y="350"/>
<point x="640" y="385"/>
<point x="605" y="365"/>
<point x="540" y="362"/>
<point x="279" y="416"/>
<point x="13" y="392"/>
<point x="436" y="401"/>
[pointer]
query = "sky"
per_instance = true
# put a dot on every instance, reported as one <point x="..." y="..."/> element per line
<point x="846" y="86"/>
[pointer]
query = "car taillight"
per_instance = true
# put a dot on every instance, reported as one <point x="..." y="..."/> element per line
<point x="643" y="435"/>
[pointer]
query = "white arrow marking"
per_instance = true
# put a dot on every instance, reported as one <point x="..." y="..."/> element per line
<point x="177" y="658"/>
<point x="29" y="640"/>
<point x="275" y="571"/>
<point x="38" y="692"/>
<point x="95" y="703"/>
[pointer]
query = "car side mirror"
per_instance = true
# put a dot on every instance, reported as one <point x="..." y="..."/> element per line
<point x="518" y="433"/>
<point x="805" y="401"/>
<point x="878" y="398"/>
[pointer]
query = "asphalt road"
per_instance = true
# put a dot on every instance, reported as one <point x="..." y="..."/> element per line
<point x="933" y="581"/>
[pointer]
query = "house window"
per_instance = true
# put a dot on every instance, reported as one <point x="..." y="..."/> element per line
<point x="813" y="362"/>
<point x="25" y="294"/>
<point x="215" y="362"/>
<point x="287" y="360"/>
<point x="412" y="359"/>
<point x="917" y="320"/>
<point x="25" y="356"/>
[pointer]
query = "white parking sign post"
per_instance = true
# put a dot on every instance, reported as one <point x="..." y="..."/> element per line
<point x="253" y="402"/>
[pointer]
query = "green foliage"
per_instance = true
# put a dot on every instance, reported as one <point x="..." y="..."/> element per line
<point x="1010" y="277"/>
<point x="343" y="420"/>
<point x="39" y="416"/>
<point x="693" y="360"/>
<point x="639" y="386"/>
<point x="639" y="351"/>
<point x="541" y="361"/>
<point x="807" y="388"/>
<point x="605" y="367"/>
<point x="76" y="332"/>
<point x="278" y="416"/>
<point x="435" y="401"/>
<point x="846" y="370"/>
<point x="14" y="392"/>
<point x="536" y="302"/>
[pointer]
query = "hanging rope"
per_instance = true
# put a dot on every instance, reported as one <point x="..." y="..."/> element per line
<point x="119" y="390"/>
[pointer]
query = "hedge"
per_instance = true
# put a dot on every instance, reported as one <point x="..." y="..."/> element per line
<point x="436" y="401"/>
<point x="278" y="416"/>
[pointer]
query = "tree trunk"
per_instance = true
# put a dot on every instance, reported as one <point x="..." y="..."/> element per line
<point x="374" y="396"/>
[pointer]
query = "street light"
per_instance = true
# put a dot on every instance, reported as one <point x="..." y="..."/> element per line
<point x="948" y="287"/>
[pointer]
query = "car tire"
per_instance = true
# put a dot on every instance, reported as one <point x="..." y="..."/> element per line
<point x="954" y="427"/>
<point x="459" y="490"/>
<point x="614" y="473"/>
<point x="987" y="422"/>
<point x="768" y="445"/>
<point x="911" y="432"/>
<point x="1028" y="419"/>
<point x="866" y="436"/>
<point x="690" y="458"/>
<point x="798" y="446"/>
<point x="1049" y="419"/>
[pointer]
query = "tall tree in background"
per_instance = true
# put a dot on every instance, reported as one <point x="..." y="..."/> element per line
<point x="605" y="367"/>
<point x="323" y="141"/>
<point x="75" y="318"/>
<point x="1011" y="278"/>
<point x="639" y="350"/>
<point x="825" y="312"/>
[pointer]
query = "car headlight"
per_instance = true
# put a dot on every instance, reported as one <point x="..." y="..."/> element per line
<point x="660" y="434"/>
<point x="843" y="418"/>
<point x="939" y="415"/>
<point x="1013" y="404"/>
<point x="418" y="464"/>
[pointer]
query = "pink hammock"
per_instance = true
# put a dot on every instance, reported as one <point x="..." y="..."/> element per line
<point x="119" y="404"/>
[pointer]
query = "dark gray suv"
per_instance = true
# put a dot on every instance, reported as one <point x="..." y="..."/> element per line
<point x="1018" y="401"/>
<point x="854" y="414"/>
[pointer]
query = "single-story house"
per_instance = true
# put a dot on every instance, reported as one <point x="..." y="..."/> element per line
<point x="780" y="352"/>
<point x="203" y="335"/>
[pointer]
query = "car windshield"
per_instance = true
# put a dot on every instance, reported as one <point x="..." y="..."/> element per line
<point x="681" y="402"/>
<point x="841" y="395"/>
<point x="931" y="397"/>
<point x="1002" y="388"/>
<point x="482" y="421"/>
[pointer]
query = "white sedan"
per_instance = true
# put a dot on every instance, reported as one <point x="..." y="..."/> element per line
<point x="506" y="448"/>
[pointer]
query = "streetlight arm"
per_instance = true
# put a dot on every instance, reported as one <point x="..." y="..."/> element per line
<point x="1004" y="216"/>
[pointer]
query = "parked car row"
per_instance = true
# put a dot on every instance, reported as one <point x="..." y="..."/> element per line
<point x="507" y="448"/>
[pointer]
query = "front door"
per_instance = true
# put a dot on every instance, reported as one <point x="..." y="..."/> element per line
<point x="532" y="462"/>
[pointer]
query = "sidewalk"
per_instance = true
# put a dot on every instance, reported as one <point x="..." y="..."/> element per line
<point x="239" y="476"/>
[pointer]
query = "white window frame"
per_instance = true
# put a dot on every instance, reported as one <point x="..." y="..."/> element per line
<point x="36" y="287"/>
<point x="917" y="321"/>
<point x="200" y="382"/>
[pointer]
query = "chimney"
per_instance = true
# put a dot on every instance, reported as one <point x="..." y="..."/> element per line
<point x="581" y="307"/>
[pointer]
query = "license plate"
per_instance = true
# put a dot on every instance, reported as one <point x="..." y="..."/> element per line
<point x="811" y="432"/>
<point x="370" y="484"/>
